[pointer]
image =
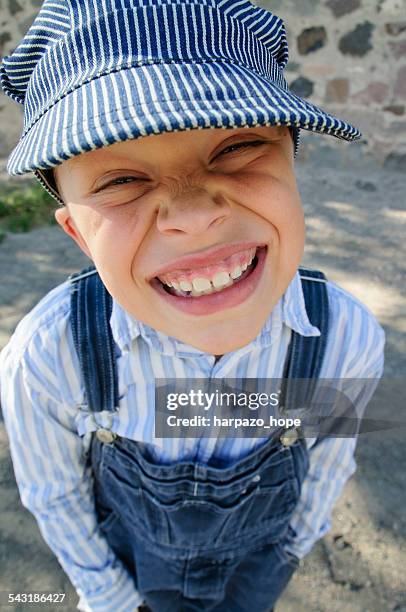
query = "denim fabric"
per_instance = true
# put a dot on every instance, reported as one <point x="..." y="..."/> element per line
<point x="198" y="537"/>
<point x="90" y="313"/>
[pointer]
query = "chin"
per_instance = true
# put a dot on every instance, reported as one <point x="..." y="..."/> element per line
<point x="226" y="343"/>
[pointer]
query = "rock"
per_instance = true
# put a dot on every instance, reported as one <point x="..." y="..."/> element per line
<point x="311" y="39"/>
<point x="395" y="109"/>
<point x="340" y="543"/>
<point x="343" y="7"/>
<point x="357" y="42"/>
<point x="292" y="67"/>
<point x="376" y="92"/>
<point x="302" y="87"/>
<point x="14" y="7"/>
<point x="337" y="90"/>
<point x="365" y="186"/>
<point x="395" y="161"/>
<point x="400" y="85"/>
<point x="345" y="567"/>
<point x="394" y="29"/>
<point x="398" y="48"/>
<point x="355" y="586"/>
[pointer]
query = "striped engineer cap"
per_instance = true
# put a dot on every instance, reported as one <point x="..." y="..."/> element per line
<point x="90" y="73"/>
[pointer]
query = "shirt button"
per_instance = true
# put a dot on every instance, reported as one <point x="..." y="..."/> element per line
<point x="256" y="478"/>
<point x="289" y="437"/>
<point x="105" y="435"/>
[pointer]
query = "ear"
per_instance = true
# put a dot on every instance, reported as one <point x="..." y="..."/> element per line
<point x="64" y="219"/>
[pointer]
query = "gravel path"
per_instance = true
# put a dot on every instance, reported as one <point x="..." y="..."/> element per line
<point x="356" y="218"/>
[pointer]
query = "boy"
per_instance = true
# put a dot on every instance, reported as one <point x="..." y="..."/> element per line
<point x="197" y="236"/>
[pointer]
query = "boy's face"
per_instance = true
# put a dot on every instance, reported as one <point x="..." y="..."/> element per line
<point x="191" y="208"/>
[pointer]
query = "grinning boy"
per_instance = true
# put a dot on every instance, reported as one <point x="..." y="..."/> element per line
<point x="197" y="235"/>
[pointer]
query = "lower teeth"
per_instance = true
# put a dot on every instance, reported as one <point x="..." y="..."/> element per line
<point x="180" y="293"/>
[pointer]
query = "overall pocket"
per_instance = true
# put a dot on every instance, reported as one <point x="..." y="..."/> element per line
<point x="191" y="522"/>
<point x="179" y="512"/>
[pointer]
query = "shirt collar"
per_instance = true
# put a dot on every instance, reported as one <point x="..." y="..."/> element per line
<point x="290" y="310"/>
<point x="294" y="309"/>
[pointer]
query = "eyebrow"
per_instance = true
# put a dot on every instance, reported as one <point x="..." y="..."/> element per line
<point x="103" y="165"/>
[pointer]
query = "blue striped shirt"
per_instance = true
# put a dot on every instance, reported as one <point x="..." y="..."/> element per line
<point x="50" y="427"/>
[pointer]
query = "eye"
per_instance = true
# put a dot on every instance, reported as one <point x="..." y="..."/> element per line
<point x="241" y="145"/>
<point x="123" y="179"/>
<point x="119" y="181"/>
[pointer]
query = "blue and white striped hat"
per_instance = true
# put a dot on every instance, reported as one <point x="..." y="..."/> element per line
<point x="94" y="72"/>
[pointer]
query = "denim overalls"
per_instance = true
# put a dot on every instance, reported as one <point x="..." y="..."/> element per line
<point x="195" y="536"/>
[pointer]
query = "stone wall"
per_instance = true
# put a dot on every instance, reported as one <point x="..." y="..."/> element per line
<point x="348" y="56"/>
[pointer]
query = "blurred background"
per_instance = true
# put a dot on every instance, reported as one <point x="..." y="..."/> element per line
<point x="348" y="56"/>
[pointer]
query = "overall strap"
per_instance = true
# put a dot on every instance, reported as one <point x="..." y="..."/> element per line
<point x="91" y="306"/>
<point x="306" y="353"/>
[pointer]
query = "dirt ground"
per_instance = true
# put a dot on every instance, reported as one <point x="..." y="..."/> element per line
<point x="356" y="220"/>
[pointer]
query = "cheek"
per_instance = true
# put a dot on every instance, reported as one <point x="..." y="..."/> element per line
<point x="290" y="225"/>
<point x="279" y="203"/>
<point x="118" y="219"/>
<point x="88" y="222"/>
<point x="275" y="200"/>
<point x="114" y="238"/>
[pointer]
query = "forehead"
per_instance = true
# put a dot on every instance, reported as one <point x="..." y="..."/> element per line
<point x="171" y="143"/>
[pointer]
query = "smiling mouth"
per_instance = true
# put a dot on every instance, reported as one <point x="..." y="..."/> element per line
<point x="203" y="286"/>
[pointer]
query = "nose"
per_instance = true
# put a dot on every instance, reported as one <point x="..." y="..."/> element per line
<point x="191" y="213"/>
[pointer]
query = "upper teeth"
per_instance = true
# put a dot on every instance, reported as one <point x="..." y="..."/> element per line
<point x="220" y="280"/>
<point x="236" y="272"/>
<point x="201" y="284"/>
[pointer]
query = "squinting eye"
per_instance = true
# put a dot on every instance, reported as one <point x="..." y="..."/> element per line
<point x="121" y="180"/>
<point x="241" y="145"/>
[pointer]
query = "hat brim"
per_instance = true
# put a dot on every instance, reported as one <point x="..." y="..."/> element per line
<point x="164" y="97"/>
